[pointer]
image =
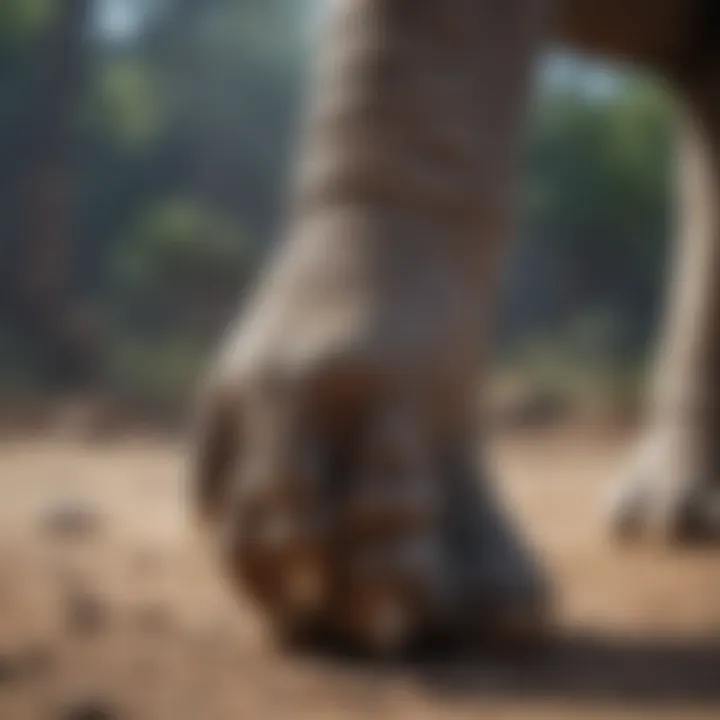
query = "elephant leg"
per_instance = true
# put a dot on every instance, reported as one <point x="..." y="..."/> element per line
<point x="348" y="500"/>
<point x="672" y="486"/>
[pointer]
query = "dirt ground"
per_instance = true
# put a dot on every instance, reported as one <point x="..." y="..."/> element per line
<point x="110" y="609"/>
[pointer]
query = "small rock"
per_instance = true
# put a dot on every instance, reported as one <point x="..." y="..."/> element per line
<point x="85" y="613"/>
<point x="89" y="710"/>
<point x="10" y="668"/>
<point x="20" y="665"/>
<point x="72" y="521"/>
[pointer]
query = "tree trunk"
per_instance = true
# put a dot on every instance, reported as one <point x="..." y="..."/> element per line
<point x="43" y="291"/>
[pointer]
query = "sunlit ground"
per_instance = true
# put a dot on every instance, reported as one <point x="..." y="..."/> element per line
<point x="111" y="610"/>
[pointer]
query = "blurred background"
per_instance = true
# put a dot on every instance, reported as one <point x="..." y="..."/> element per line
<point x="144" y="145"/>
<point x="144" y="148"/>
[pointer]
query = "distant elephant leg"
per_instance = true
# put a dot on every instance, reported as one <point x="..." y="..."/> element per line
<point x="673" y="486"/>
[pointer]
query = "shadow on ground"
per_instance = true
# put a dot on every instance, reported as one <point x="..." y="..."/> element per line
<point x="593" y="668"/>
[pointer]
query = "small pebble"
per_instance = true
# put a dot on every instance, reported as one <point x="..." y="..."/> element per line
<point x="85" y="613"/>
<point x="72" y="521"/>
<point x="23" y="664"/>
<point x="89" y="710"/>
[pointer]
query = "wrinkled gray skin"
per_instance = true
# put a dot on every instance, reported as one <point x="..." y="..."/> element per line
<point x="336" y="464"/>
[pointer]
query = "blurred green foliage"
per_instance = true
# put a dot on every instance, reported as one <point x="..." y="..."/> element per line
<point x="588" y="270"/>
<point x="126" y="105"/>
<point x="20" y="20"/>
<point x="180" y="247"/>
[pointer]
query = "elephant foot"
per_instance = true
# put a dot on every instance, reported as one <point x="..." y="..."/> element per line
<point x="330" y="452"/>
<point x="367" y="532"/>
<point x="380" y="551"/>
<point x="670" y="492"/>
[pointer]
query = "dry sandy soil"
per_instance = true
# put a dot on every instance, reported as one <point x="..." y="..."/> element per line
<point x="110" y="609"/>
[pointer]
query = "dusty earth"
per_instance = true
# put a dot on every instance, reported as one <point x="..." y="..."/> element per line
<point x="109" y="607"/>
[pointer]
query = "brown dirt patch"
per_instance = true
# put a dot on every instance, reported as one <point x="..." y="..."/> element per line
<point x="110" y="609"/>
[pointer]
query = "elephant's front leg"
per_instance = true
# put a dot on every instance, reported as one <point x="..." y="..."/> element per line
<point x="673" y="484"/>
<point x="336" y="453"/>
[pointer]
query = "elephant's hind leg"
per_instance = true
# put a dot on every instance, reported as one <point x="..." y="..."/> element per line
<point x="672" y="487"/>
